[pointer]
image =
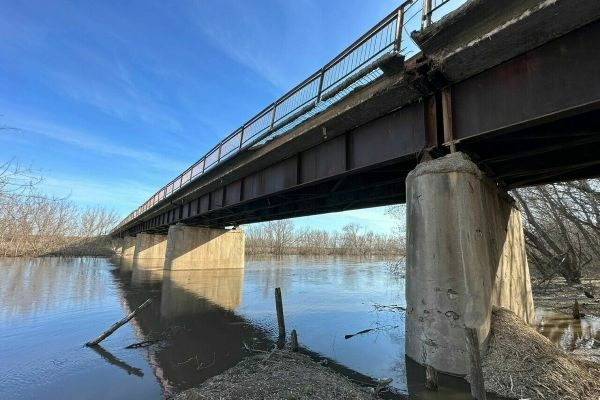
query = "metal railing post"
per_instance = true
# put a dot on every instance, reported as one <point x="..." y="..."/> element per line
<point x="320" y="90"/>
<point x="399" y="26"/>
<point x="426" y="13"/>
<point x="273" y="115"/>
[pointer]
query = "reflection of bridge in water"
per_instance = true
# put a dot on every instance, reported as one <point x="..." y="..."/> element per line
<point x="194" y="310"/>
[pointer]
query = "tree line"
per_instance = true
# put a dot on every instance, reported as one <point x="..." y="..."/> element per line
<point x="35" y="224"/>
<point x="282" y="237"/>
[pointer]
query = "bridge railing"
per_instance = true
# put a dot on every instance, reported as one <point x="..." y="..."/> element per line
<point x="357" y="64"/>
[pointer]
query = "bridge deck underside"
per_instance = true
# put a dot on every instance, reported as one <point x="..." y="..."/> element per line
<point x="530" y="120"/>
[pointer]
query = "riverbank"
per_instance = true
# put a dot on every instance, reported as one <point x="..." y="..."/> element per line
<point x="520" y="362"/>
<point x="275" y="375"/>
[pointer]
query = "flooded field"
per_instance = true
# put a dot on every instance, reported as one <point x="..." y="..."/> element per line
<point x="203" y="322"/>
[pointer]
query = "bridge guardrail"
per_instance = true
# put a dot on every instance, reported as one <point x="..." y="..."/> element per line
<point x="317" y="92"/>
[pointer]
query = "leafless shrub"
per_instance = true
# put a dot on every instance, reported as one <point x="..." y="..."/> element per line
<point x="33" y="224"/>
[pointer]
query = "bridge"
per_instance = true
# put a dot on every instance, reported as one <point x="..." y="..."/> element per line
<point x="495" y="95"/>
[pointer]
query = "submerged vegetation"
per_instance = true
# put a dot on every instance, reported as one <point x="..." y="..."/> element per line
<point x="35" y="224"/>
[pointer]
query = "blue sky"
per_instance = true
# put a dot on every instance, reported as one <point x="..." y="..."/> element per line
<point x="112" y="99"/>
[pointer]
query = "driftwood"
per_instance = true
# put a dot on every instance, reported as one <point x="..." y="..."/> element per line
<point x="117" y="325"/>
<point x="358" y="333"/>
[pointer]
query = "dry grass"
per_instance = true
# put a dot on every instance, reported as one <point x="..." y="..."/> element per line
<point x="521" y="363"/>
<point x="274" y="376"/>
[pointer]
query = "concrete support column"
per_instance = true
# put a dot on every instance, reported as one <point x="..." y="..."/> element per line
<point x="128" y="248"/>
<point x="465" y="254"/>
<point x="150" y="251"/>
<point x="195" y="248"/>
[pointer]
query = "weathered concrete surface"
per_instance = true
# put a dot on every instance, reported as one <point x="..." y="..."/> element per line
<point x="466" y="253"/>
<point x="150" y="251"/>
<point x="484" y="33"/>
<point x="128" y="248"/>
<point x="192" y="248"/>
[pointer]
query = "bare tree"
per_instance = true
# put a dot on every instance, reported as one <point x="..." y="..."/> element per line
<point x="562" y="227"/>
<point x="280" y="237"/>
<point x="33" y="224"/>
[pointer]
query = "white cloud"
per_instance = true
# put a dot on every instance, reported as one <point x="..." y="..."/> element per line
<point x="88" y="141"/>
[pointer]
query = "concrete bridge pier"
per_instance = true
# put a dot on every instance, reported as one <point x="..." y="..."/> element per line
<point x="465" y="254"/>
<point x="150" y="251"/>
<point x="128" y="248"/>
<point x="196" y="248"/>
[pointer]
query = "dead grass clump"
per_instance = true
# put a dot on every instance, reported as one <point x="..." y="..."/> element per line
<point x="277" y="375"/>
<point x="521" y="363"/>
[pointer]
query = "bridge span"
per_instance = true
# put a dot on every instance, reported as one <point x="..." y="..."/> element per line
<point x="496" y="95"/>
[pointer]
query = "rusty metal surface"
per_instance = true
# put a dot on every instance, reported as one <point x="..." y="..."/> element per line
<point x="395" y="135"/>
<point x="323" y="161"/>
<point x="555" y="78"/>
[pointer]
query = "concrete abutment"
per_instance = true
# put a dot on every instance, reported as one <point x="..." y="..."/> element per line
<point x="197" y="248"/>
<point x="465" y="255"/>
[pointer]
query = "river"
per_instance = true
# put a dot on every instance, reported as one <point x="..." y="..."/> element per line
<point x="207" y="321"/>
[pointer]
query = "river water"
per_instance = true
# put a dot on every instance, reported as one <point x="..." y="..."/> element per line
<point x="206" y="322"/>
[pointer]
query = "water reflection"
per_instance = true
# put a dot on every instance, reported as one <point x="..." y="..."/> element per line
<point x="568" y="333"/>
<point x="199" y="324"/>
<point x="35" y="286"/>
<point x="181" y="291"/>
<point x="141" y="276"/>
<point x="125" y="264"/>
<point x="197" y="335"/>
<point x="111" y="359"/>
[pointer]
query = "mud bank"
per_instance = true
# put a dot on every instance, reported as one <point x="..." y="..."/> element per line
<point x="278" y="375"/>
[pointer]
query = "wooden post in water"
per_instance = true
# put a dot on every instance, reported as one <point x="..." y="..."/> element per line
<point x="280" y="319"/>
<point x="117" y="325"/>
<point x="476" y="372"/>
<point x="431" y="378"/>
<point x="294" y="341"/>
<point x="576" y="312"/>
